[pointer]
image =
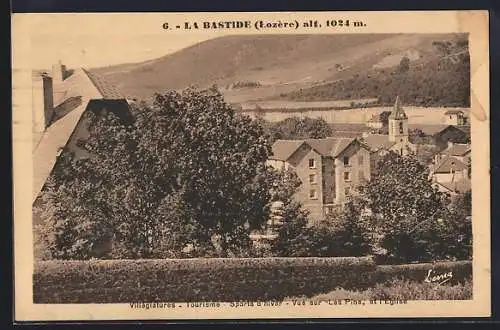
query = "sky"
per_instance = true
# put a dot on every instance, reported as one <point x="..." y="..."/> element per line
<point x="90" y="51"/>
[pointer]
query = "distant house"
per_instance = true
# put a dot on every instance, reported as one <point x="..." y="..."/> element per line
<point x="60" y="101"/>
<point x="440" y="135"/>
<point x="451" y="169"/>
<point x="375" y="122"/>
<point x="455" y="117"/>
<point x="330" y="170"/>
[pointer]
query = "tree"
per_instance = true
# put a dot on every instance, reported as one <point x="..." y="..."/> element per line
<point x="404" y="65"/>
<point x="295" y="128"/>
<point x="292" y="238"/>
<point x="407" y="210"/>
<point x="187" y="161"/>
<point x="343" y="234"/>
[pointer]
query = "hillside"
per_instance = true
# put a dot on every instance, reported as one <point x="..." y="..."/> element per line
<point x="440" y="81"/>
<point x="260" y="67"/>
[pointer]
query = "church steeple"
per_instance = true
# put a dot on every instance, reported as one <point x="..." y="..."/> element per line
<point x="398" y="123"/>
<point x="397" y="110"/>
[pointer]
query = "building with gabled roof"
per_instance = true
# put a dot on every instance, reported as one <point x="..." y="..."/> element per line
<point x="450" y="171"/>
<point x="455" y="117"/>
<point x="330" y="170"/>
<point x="60" y="100"/>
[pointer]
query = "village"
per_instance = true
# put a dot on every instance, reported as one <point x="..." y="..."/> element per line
<point x="330" y="169"/>
<point x="88" y="203"/>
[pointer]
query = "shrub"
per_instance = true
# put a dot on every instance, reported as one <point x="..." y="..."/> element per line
<point x="403" y="290"/>
<point x="122" y="281"/>
<point x="461" y="271"/>
<point x="409" y="290"/>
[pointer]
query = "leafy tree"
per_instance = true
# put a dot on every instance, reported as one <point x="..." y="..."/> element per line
<point x="187" y="161"/>
<point x="292" y="237"/>
<point x="342" y="234"/>
<point x="407" y="210"/>
<point x="404" y="65"/>
<point x="384" y="117"/>
<point x="295" y="128"/>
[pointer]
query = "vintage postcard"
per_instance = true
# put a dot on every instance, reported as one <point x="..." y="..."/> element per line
<point x="251" y="165"/>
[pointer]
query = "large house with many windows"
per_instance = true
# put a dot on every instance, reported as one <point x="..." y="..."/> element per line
<point x="330" y="169"/>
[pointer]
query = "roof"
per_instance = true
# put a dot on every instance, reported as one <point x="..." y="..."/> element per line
<point x="457" y="149"/>
<point x="284" y="149"/>
<point x="74" y="94"/>
<point x="454" y="112"/>
<point x="429" y="129"/>
<point x="464" y="128"/>
<point x="397" y="111"/>
<point x="448" y="164"/>
<point x="378" y="141"/>
<point x="105" y="88"/>
<point x="330" y="146"/>
<point x="461" y="186"/>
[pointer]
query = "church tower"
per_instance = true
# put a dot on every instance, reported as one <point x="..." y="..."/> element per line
<point x="398" y="124"/>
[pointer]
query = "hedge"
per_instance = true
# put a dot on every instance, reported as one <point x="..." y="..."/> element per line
<point x="124" y="281"/>
<point x="461" y="271"/>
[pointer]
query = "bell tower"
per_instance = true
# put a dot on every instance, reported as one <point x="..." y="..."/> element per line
<point x="398" y="124"/>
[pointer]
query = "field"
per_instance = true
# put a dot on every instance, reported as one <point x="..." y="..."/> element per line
<point x="416" y="115"/>
<point x="297" y="105"/>
<point x="235" y="279"/>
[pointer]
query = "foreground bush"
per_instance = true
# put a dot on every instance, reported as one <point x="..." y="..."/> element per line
<point x="404" y="290"/>
<point x="123" y="281"/>
<point x="461" y="272"/>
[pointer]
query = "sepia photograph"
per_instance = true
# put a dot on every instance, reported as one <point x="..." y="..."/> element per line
<point x="185" y="172"/>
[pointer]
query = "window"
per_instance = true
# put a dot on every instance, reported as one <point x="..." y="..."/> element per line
<point x="312" y="163"/>
<point x="360" y="159"/>
<point x="346" y="176"/>
<point x="313" y="194"/>
<point x="312" y="178"/>
<point x="346" y="161"/>
<point x="347" y="191"/>
<point x="400" y="127"/>
<point x="361" y="175"/>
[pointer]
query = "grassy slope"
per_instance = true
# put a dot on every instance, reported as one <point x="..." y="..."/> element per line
<point x="280" y="63"/>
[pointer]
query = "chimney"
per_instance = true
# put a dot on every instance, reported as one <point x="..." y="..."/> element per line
<point x="43" y="102"/>
<point x="58" y="72"/>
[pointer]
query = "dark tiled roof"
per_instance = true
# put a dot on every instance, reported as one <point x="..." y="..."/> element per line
<point x="464" y="128"/>
<point x="428" y="129"/>
<point x="107" y="90"/>
<point x="448" y="164"/>
<point x="461" y="186"/>
<point x="283" y="149"/>
<point x="378" y="141"/>
<point x="457" y="150"/>
<point x="453" y="112"/>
